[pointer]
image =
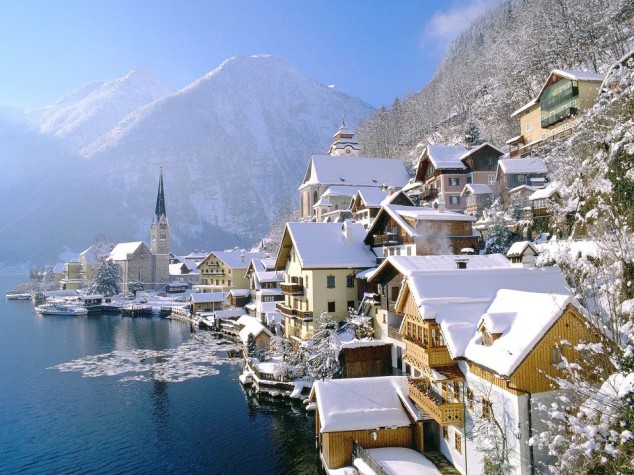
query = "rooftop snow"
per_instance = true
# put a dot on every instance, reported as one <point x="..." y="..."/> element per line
<point x="522" y="165"/>
<point x="355" y="171"/>
<point x="121" y="250"/>
<point x="208" y="297"/>
<point x="251" y="326"/>
<point x="544" y="193"/>
<point x="348" y="191"/>
<point x="447" y="156"/>
<point x="237" y="259"/>
<point x="477" y="189"/>
<point x="325" y="245"/>
<point x="362" y="403"/>
<point x="577" y="75"/>
<point x="518" y="248"/>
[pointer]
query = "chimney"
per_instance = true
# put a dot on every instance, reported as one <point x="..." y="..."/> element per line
<point x="391" y="190"/>
<point x="441" y="204"/>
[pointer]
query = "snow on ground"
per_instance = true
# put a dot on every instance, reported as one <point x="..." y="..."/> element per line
<point x="198" y="357"/>
<point x="398" y="460"/>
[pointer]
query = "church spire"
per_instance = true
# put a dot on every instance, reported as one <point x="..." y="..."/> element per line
<point x="160" y="199"/>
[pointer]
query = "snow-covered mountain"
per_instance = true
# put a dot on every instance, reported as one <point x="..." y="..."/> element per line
<point x="233" y="145"/>
<point x="94" y="109"/>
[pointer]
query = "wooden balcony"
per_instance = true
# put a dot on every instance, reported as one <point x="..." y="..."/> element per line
<point x="294" y="313"/>
<point x="292" y="289"/>
<point x="387" y="239"/>
<point x="421" y="357"/>
<point x="443" y="412"/>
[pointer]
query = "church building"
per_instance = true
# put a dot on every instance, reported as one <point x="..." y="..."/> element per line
<point x="139" y="264"/>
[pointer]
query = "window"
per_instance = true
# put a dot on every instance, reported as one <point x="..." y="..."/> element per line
<point x="350" y="304"/>
<point x="487" y="409"/>
<point x="331" y="306"/>
<point x="454" y="181"/>
<point x="454" y="200"/>
<point x="470" y="399"/>
<point x="350" y="281"/>
<point x="520" y="178"/>
<point x="457" y="441"/>
<point x="528" y="127"/>
<point x="330" y="281"/>
<point x="491" y="179"/>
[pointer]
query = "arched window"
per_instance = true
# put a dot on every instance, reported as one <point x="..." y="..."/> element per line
<point x="314" y="197"/>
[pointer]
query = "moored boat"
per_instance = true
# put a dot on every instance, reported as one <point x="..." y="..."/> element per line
<point x="61" y="309"/>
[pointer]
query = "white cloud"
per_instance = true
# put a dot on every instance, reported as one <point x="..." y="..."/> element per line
<point x="444" y="26"/>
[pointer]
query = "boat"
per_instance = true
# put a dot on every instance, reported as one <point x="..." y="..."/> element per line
<point x="61" y="309"/>
<point x="17" y="296"/>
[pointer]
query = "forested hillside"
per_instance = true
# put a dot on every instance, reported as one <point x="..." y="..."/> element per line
<point x="497" y="65"/>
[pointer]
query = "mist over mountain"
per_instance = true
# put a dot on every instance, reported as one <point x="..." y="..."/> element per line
<point x="233" y="145"/>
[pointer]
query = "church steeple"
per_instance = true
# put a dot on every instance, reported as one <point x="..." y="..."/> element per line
<point x="160" y="230"/>
<point x="345" y="143"/>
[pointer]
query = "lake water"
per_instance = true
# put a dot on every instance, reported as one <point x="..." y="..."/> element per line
<point x="108" y="394"/>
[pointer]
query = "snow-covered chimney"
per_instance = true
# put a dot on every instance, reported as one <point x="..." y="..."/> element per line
<point x="391" y="190"/>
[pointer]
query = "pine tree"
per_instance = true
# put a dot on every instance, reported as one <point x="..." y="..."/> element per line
<point x="495" y="229"/>
<point x="323" y="362"/>
<point x="472" y="134"/>
<point x="105" y="279"/>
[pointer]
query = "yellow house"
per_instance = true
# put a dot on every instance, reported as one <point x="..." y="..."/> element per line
<point x="553" y="113"/>
<point x="480" y="345"/>
<point x="73" y="277"/>
<point x="321" y="261"/>
<point x="222" y="271"/>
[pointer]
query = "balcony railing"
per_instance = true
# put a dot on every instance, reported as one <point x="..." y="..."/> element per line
<point x="387" y="239"/>
<point x="430" y="357"/>
<point x="292" y="289"/>
<point x="294" y="313"/>
<point x="443" y="412"/>
<point x="549" y="120"/>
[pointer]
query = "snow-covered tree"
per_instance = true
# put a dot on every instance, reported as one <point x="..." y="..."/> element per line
<point x="591" y="425"/>
<point x="251" y="349"/>
<point x="323" y="362"/>
<point x="105" y="278"/>
<point x="472" y="134"/>
<point x="290" y="362"/>
<point x="497" y="237"/>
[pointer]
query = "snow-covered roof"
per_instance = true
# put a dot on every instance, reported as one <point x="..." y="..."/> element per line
<point x="208" y="297"/>
<point x="578" y="75"/>
<point x="519" y="248"/>
<point x="348" y="191"/>
<point x="544" y="193"/>
<point x="524" y="188"/>
<point x="471" y="151"/>
<point x="406" y="265"/>
<point x="237" y="259"/>
<point x="476" y="189"/>
<point x="251" y="326"/>
<point x="121" y="250"/>
<point x="372" y="197"/>
<point x="401" y="460"/>
<point x="522" y="109"/>
<point x="239" y="292"/>
<point x="362" y="403"/>
<point x="355" y="171"/>
<point x="522" y="318"/>
<point x="522" y="165"/>
<point x="328" y="246"/>
<point x="457" y="299"/>
<point x="94" y="252"/>
<point x="446" y="156"/>
<point x="230" y="313"/>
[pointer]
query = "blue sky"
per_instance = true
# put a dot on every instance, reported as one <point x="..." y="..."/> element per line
<point x="372" y="49"/>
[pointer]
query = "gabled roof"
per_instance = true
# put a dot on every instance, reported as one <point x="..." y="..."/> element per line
<point x="544" y="193"/>
<point x="372" y="197"/>
<point x="208" y="297"/>
<point x="121" y="250"/>
<point x="94" y="252"/>
<point x="237" y="259"/>
<point x="473" y="150"/>
<point x="251" y="326"/>
<point x="355" y="171"/>
<point x="326" y="246"/>
<point x="363" y="403"/>
<point x="521" y="165"/>
<point x="445" y="156"/>
<point x="520" y="248"/>
<point x="476" y="189"/>
<point x="458" y="299"/>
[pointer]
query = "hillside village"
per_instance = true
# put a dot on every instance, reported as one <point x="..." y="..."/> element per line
<point x="417" y="312"/>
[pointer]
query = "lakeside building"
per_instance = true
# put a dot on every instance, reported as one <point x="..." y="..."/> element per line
<point x="226" y="270"/>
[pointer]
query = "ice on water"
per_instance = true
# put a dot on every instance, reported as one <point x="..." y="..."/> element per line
<point x="198" y="357"/>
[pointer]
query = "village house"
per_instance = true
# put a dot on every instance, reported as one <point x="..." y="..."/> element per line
<point x="225" y="270"/>
<point x="513" y="173"/>
<point x="443" y="171"/>
<point x="389" y="277"/>
<point x="553" y="113"/>
<point x="418" y="231"/>
<point x="185" y="268"/>
<point x="265" y="291"/>
<point x="250" y="326"/>
<point x="345" y="174"/>
<point x="73" y="277"/>
<point x="320" y="261"/>
<point x="477" y="197"/>
<point x="206" y="302"/>
<point x="369" y="422"/>
<point x="480" y="345"/>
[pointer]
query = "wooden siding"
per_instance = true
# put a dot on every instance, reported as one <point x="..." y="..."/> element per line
<point x="366" y="361"/>
<point x="336" y="447"/>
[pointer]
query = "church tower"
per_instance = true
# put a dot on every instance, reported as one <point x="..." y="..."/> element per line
<point x="345" y="144"/>
<point x="160" y="231"/>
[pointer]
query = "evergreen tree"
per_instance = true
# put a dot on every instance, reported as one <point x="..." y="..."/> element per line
<point x="472" y="134"/>
<point x="495" y="229"/>
<point x="252" y="350"/>
<point x="323" y="362"/>
<point x="105" y="279"/>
